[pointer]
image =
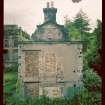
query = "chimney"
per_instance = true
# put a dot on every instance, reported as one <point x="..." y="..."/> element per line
<point x="52" y="4"/>
<point x="47" y="4"/>
<point x="50" y="12"/>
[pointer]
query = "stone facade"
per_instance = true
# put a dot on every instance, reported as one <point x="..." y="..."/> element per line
<point x="50" y="30"/>
<point x="49" y="64"/>
<point x="46" y="65"/>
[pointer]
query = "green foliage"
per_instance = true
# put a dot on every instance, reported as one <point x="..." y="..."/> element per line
<point x="92" y="82"/>
<point x="78" y="29"/>
<point x="98" y="33"/>
<point x="81" y="22"/>
<point x="10" y="78"/>
<point x="94" y="43"/>
<point x="44" y="101"/>
<point x="86" y="97"/>
<point x="73" y="32"/>
<point x="89" y="98"/>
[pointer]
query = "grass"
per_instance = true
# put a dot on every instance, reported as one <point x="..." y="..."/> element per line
<point x="9" y="84"/>
<point x="10" y="76"/>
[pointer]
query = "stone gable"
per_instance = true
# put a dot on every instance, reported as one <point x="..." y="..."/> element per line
<point x="50" y="32"/>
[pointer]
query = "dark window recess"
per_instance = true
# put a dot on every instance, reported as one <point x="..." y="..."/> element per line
<point x="74" y="85"/>
<point x="20" y="76"/>
<point x="5" y="51"/>
<point x="50" y="38"/>
<point x="80" y="52"/>
<point x="79" y="56"/>
<point x="19" y="57"/>
<point x="74" y="71"/>
<point x="6" y="55"/>
<point x="6" y="44"/>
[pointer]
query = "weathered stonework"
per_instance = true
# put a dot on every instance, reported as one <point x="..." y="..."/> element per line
<point x="50" y="64"/>
<point x="46" y="65"/>
<point x="50" y="32"/>
<point x="31" y="89"/>
<point x="31" y="66"/>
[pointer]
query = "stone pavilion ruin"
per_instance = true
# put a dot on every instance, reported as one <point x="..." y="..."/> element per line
<point x="49" y="64"/>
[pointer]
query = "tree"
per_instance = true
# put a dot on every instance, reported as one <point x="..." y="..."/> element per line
<point x="97" y="63"/>
<point x="92" y="82"/>
<point x="81" y="22"/>
<point x="79" y="28"/>
<point x="73" y="32"/>
<point x="98" y="32"/>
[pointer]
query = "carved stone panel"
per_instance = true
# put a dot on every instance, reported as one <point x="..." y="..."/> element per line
<point x="53" y="91"/>
<point x="31" y="66"/>
<point x="31" y="89"/>
<point x="50" y="67"/>
<point x="50" y="62"/>
<point x="48" y="33"/>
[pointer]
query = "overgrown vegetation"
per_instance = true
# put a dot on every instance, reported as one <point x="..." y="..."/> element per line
<point x="92" y="42"/>
<point x="10" y="78"/>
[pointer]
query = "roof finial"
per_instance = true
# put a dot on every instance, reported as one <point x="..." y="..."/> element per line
<point x="47" y="4"/>
<point x="52" y="4"/>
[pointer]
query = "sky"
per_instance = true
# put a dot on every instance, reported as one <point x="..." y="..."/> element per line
<point x="29" y="13"/>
